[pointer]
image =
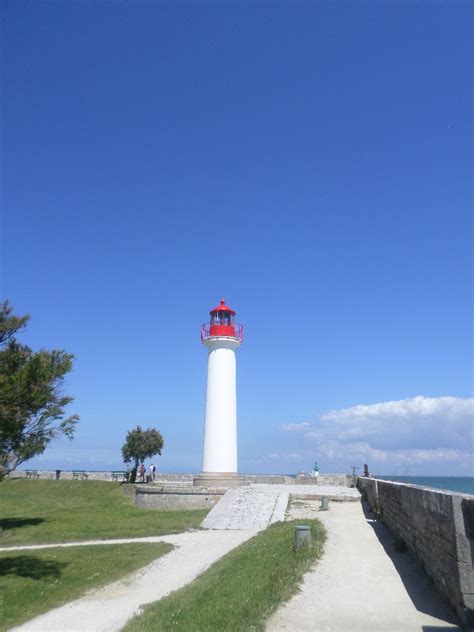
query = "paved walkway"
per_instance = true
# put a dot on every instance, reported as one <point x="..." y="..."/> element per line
<point x="108" y="609"/>
<point x="361" y="584"/>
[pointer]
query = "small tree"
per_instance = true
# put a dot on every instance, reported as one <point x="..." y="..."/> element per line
<point x="140" y="445"/>
<point x="31" y="399"/>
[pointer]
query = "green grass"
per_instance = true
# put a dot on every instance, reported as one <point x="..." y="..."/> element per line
<point x="240" y="591"/>
<point x="33" y="582"/>
<point x="35" y="512"/>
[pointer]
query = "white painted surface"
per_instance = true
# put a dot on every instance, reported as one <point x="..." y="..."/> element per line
<point x="220" y="424"/>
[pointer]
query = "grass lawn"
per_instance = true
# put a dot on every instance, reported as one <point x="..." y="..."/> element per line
<point x="33" y="582"/>
<point x="240" y="591"/>
<point x="35" y="512"/>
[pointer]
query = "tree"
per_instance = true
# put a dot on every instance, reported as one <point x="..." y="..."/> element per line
<point x="140" y="445"/>
<point x="32" y="402"/>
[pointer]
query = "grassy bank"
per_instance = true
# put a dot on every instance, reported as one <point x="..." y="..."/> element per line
<point x="35" y="512"/>
<point x="33" y="582"/>
<point x="240" y="591"/>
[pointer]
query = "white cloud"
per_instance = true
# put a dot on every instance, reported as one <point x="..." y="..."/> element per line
<point x="295" y="427"/>
<point x="435" y="432"/>
<point x="451" y="407"/>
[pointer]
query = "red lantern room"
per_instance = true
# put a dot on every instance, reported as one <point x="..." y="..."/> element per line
<point x="222" y="323"/>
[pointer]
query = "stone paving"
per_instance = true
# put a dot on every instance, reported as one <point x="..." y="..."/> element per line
<point x="257" y="506"/>
<point x="247" y="508"/>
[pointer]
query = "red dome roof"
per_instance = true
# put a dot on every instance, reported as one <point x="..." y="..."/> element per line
<point x="222" y="308"/>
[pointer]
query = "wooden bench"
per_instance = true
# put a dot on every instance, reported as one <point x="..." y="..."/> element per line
<point x="123" y="476"/>
<point x="77" y="474"/>
<point x="32" y="474"/>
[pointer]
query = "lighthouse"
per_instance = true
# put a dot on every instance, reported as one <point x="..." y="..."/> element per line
<point x="222" y="336"/>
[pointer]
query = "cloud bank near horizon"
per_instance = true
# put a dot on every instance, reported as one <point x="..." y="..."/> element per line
<point x="419" y="435"/>
<point x="431" y="433"/>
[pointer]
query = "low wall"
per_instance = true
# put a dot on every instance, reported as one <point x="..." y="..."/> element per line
<point x="175" y="478"/>
<point x="269" y="479"/>
<point x="66" y="475"/>
<point x="339" y="480"/>
<point x="438" y="529"/>
<point x="103" y="475"/>
<point x="187" y="479"/>
<point x="175" y="499"/>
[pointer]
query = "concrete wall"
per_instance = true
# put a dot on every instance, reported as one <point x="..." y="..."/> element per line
<point x="437" y="528"/>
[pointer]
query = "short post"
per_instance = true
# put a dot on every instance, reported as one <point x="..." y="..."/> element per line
<point x="324" y="503"/>
<point x="302" y="536"/>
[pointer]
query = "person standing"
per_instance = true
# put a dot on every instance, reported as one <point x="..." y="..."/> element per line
<point x="142" y="471"/>
<point x="152" y="472"/>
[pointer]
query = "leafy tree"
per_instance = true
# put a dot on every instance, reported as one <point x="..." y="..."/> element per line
<point x="31" y="395"/>
<point x="140" y="445"/>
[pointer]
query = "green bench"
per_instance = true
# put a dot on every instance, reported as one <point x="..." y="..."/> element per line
<point x="123" y="476"/>
<point x="77" y="474"/>
<point x="32" y="474"/>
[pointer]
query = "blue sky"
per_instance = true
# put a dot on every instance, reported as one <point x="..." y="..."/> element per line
<point x="310" y="162"/>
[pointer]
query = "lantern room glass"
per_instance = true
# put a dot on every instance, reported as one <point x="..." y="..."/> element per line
<point x="222" y="318"/>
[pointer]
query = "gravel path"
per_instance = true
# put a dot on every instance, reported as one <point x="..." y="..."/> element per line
<point x="361" y="584"/>
<point x="109" y="608"/>
<point x="238" y="516"/>
<point x="65" y="545"/>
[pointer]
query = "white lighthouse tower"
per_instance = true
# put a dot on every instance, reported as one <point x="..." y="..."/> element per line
<point x="222" y="336"/>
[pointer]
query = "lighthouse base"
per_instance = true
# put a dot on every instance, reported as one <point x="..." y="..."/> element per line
<point x="218" y="479"/>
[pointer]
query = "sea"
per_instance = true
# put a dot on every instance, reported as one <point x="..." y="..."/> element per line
<point x="460" y="484"/>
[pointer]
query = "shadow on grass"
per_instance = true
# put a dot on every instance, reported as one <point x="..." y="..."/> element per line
<point x="420" y="588"/>
<point x="17" y="523"/>
<point x="30" y="566"/>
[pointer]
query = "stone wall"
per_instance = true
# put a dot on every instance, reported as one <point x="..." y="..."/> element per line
<point x="268" y="479"/>
<point x="175" y="478"/>
<point x="339" y="480"/>
<point x="437" y="527"/>
<point x="187" y="479"/>
<point x="66" y="475"/>
<point x="175" y="499"/>
<point x="105" y="475"/>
